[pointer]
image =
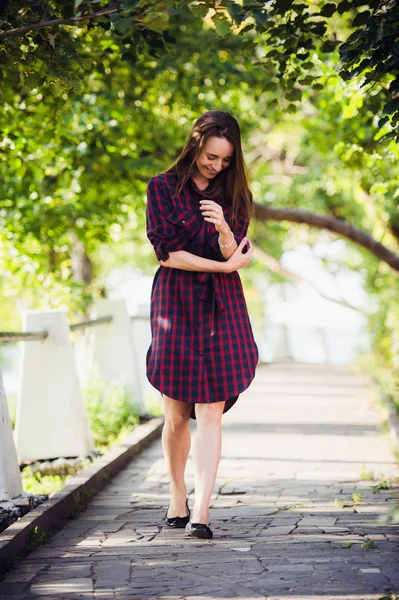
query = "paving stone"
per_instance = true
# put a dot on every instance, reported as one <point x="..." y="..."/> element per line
<point x="63" y="586"/>
<point x="123" y="537"/>
<point x="64" y="570"/>
<point x="111" y="574"/>
<point x="292" y="454"/>
<point x="281" y="530"/>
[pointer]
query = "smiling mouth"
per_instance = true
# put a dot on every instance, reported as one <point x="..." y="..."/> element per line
<point x="209" y="171"/>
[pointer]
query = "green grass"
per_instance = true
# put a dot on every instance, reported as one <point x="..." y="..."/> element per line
<point x="342" y="503"/>
<point x="385" y="484"/>
<point x="36" y="538"/>
<point x="368" y="545"/>
<point x="366" y="475"/>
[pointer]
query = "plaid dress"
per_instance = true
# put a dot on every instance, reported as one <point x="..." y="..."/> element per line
<point x="202" y="347"/>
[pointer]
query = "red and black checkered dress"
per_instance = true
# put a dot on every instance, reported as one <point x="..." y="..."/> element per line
<point x="202" y="347"/>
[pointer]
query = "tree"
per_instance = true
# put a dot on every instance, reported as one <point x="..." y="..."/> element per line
<point x="86" y="108"/>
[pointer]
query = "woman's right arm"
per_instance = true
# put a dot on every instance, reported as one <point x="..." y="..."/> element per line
<point x="181" y="259"/>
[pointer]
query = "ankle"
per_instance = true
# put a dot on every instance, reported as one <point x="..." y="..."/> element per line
<point x="200" y="515"/>
<point x="178" y="493"/>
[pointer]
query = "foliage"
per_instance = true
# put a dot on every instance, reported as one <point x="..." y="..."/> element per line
<point x="111" y="418"/>
<point x="93" y="108"/>
<point x="36" y="483"/>
<point x="63" y="42"/>
<point x="110" y="412"/>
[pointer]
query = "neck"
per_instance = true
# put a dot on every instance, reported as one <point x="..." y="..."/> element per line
<point x="200" y="182"/>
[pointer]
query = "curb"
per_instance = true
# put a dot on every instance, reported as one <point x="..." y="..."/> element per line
<point x="16" y="540"/>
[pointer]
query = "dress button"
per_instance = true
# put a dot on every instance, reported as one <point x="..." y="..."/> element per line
<point x="200" y="325"/>
<point x="201" y="354"/>
<point x="183" y="222"/>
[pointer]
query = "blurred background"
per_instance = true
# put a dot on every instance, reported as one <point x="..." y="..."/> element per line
<point x="92" y="110"/>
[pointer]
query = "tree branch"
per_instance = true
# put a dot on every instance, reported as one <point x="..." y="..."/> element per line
<point x="71" y="21"/>
<point x="360" y="237"/>
<point x="275" y="266"/>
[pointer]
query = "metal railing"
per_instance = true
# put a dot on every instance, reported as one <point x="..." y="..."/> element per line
<point x="12" y="337"/>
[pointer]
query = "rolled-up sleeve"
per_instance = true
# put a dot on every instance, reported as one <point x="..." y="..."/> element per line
<point x="167" y="230"/>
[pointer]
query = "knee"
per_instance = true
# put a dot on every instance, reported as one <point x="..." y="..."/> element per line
<point x="176" y="421"/>
<point x="177" y="414"/>
<point x="209" y="414"/>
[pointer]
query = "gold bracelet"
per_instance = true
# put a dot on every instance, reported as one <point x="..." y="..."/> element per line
<point x="228" y="245"/>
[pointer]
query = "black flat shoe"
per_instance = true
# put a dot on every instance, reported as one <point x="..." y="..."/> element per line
<point x="178" y="522"/>
<point x="199" y="530"/>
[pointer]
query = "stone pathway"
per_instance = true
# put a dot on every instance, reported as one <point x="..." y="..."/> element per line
<point x="294" y="515"/>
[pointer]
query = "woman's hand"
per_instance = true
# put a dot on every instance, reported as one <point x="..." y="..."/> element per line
<point x="213" y="213"/>
<point x="238" y="260"/>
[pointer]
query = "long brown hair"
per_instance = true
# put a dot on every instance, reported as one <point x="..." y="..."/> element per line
<point x="230" y="186"/>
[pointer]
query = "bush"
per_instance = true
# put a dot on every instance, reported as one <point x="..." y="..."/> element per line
<point x="110" y="411"/>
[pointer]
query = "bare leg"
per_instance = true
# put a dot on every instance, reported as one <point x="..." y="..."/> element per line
<point x="176" y="442"/>
<point x="207" y="450"/>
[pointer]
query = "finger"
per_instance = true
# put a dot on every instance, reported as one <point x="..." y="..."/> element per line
<point x="211" y="220"/>
<point x="243" y="242"/>
<point x="209" y="205"/>
<point x="250" y="245"/>
<point x="212" y="212"/>
<point x="213" y="209"/>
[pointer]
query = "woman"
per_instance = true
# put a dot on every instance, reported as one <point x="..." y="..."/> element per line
<point x="202" y="353"/>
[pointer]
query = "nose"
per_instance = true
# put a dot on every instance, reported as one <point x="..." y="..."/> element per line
<point x="217" y="166"/>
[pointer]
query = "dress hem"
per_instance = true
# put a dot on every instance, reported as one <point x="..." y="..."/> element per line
<point x="230" y="402"/>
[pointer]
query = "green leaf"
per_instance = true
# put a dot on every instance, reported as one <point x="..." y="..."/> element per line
<point x="282" y="6"/>
<point x="260" y="17"/>
<point x="236" y="12"/>
<point x="343" y="6"/>
<point x="299" y="9"/>
<point x="308" y="80"/>
<point x="361" y="19"/>
<point x="222" y="28"/>
<point x="391" y="106"/>
<point x="292" y="108"/>
<point x="294" y="95"/>
<point x="156" y="21"/>
<point x="200" y="9"/>
<point x="388" y="136"/>
<point x="33" y="80"/>
<point x="319" y="28"/>
<point x="123" y="24"/>
<point x="346" y="75"/>
<point x="328" y="10"/>
<point x="51" y="40"/>
<point x="247" y="28"/>
<point x="329" y="46"/>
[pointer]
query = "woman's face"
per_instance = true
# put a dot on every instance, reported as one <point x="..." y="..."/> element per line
<point x="216" y="155"/>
